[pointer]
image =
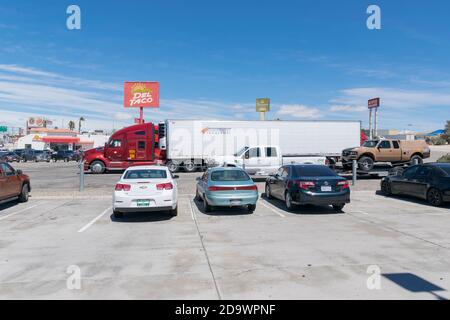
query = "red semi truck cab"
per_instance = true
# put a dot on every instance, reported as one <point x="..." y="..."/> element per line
<point x="130" y="146"/>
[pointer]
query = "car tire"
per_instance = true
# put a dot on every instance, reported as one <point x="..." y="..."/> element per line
<point x="174" y="212"/>
<point x="117" y="214"/>
<point x="97" y="167"/>
<point x="24" y="194"/>
<point x="386" y="188"/>
<point x="417" y="158"/>
<point x="268" y="195"/>
<point x="206" y="205"/>
<point x="365" y="163"/>
<point x="189" y="166"/>
<point x="288" y="201"/>
<point x="434" y="197"/>
<point x="197" y="196"/>
<point x="338" y="207"/>
<point x="251" y="208"/>
<point x="172" y="166"/>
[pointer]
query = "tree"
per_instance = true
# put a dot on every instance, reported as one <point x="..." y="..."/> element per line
<point x="79" y="123"/>
<point x="71" y="125"/>
<point x="447" y="131"/>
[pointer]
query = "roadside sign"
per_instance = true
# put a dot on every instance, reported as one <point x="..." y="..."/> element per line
<point x="141" y="95"/>
<point x="373" y="103"/>
<point x="263" y="105"/>
<point x="3" y="128"/>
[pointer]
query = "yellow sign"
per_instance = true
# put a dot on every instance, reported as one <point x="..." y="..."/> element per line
<point x="263" y="105"/>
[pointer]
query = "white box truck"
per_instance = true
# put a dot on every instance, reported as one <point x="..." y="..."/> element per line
<point x="200" y="143"/>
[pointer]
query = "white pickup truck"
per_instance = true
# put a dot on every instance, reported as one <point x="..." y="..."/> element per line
<point x="263" y="160"/>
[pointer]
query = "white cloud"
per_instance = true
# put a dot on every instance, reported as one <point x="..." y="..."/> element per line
<point x="299" y="111"/>
<point x="347" y="108"/>
<point x="122" y="116"/>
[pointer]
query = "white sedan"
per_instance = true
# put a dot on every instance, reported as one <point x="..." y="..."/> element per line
<point x="146" y="188"/>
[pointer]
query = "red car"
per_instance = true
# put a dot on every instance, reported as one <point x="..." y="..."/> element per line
<point x="13" y="184"/>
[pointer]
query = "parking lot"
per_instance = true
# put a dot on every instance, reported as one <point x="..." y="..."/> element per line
<point x="313" y="253"/>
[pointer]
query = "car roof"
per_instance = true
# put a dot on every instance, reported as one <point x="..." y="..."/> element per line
<point x="147" y="168"/>
<point x="224" y="168"/>
<point x="438" y="164"/>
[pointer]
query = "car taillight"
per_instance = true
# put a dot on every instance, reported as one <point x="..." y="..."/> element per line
<point x="226" y="188"/>
<point x="164" y="186"/>
<point x="343" y="184"/>
<point x="123" y="187"/>
<point x="306" y="185"/>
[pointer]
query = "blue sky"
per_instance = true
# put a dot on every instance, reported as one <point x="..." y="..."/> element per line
<point x="314" y="59"/>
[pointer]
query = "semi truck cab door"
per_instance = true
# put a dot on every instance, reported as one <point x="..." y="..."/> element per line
<point x="114" y="152"/>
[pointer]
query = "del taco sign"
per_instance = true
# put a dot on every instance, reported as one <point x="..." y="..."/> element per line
<point x="141" y="94"/>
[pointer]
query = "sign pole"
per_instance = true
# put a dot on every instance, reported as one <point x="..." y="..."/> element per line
<point x="376" y="122"/>
<point x="370" y="125"/>
<point x="141" y="116"/>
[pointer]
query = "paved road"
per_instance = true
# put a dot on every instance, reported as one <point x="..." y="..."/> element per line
<point x="271" y="254"/>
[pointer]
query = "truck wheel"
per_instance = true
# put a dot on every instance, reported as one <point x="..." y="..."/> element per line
<point x="416" y="158"/>
<point x="23" y="197"/>
<point x="172" y="166"/>
<point x="98" y="167"/>
<point x="189" y="166"/>
<point x="365" y="163"/>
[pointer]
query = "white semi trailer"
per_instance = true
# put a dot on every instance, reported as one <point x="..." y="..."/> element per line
<point x="191" y="144"/>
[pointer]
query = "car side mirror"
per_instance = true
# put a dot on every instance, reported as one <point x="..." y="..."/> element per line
<point x="19" y="172"/>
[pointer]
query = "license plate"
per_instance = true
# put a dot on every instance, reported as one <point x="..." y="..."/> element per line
<point x="143" y="203"/>
<point x="235" y="202"/>
<point x="326" y="188"/>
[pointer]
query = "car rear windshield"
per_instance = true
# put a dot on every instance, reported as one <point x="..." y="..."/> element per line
<point x="146" y="174"/>
<point x="229" y="175"/>
<point x="446" y="170"/>
<point x="313" y="171"/>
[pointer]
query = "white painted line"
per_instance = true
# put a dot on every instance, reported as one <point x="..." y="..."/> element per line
<point x="270" y="207"/>
<point x="360" y="211"/>
<point x="94" y="220"/>
<point x="17" y="212"/>
<point x="411" y="204"/>
<point x="192" y="210"/>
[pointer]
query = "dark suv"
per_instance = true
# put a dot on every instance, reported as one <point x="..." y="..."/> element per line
<point x="35" y="155"/>
<point x="65" y="155"/>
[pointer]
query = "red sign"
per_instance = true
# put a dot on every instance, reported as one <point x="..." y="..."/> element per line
<point x="141" y="94"/>
<point x="374" y="103"/>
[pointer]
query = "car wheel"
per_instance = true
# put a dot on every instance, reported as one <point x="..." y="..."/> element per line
<point x="172" y="166"/>
<point x="251" y="208"/>
<point x="98" y="167"/>
<point x="416" y="159"/>
<point x="206" y="205"/>
<point x="117" y="214"/>
<point x="386" y="188"/>
<point x="338" y="207"/>
<point x="197" y="195"/>
<point x="434" y="197"/>
<point x="365" y="163"/>
<point x="268" y="195"/>
<point x="189" y="166"/>
<point x="288" y="201"/>
<point x="24" y="195"/>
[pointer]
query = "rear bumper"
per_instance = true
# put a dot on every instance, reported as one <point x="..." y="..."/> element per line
<point x="321" y="199"/>
<point x="130" y="203"/>
<point x="229" y="200"/>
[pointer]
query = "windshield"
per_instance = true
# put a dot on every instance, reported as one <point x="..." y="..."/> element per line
<point x="446" y="169"/>
<point x="313" y="171"/>
<point x="241" y="151"/>
<point x="229" y="175"/>
<point x="146" y="174"/>
<point x="371" y="143"/>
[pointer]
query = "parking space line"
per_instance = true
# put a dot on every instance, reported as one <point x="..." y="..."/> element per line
<point x="192" y="210"/>
<point x="94" y="220"/>
<point x="400" y="201"/>
<point x="270" y="207"/>
<point x="17" y="212"/>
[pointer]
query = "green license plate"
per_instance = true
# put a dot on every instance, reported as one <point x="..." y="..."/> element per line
<point x="143" y="203"/>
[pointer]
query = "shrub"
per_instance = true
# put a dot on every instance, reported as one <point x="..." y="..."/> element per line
<point x="444" y="158"/>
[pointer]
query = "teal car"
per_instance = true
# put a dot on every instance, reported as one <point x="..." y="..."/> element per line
<point x="226" y="187"/>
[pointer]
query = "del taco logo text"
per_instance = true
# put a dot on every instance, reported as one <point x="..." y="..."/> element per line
<point x="141" y="94"/>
